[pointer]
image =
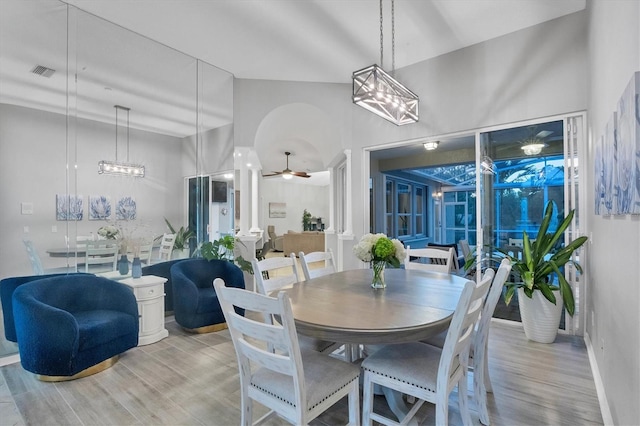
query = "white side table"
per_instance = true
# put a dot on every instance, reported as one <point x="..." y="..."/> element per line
<point x="149" y="292"/>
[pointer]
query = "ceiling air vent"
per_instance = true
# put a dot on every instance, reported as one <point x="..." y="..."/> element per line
<point x="43" y="71"/>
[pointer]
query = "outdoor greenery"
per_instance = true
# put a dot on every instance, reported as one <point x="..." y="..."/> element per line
<point x="540" y="260"/>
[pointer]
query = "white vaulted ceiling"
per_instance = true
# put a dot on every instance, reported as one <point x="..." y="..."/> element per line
<point x="321" y="40"/>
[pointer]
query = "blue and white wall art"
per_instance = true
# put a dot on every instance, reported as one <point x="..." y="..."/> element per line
<point x="68" y="207"/>
<point x="99" y="207"/>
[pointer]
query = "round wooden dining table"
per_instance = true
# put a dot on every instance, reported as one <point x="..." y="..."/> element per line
<point x="342" y="307"/>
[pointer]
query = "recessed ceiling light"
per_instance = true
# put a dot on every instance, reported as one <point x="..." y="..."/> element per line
<point x="429" y="146"/>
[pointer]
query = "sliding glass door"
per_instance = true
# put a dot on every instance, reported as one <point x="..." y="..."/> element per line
<point x="521" y="170"/>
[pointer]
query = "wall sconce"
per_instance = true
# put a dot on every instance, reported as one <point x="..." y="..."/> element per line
<point x="430" y="146"/>
<point x="437" y="194"/>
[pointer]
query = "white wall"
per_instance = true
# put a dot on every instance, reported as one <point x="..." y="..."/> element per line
<point x="532" y="73"/>
<point x="613" y="311"/>
<point x="33" y="156"/>
<point x="298" y="197"/>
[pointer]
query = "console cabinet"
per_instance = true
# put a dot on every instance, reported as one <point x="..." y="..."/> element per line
<point x="149" y="292"/>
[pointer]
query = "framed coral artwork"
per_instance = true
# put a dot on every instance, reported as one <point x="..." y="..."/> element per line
<point x="68" y="207"/>
<point x="99" y="207"/>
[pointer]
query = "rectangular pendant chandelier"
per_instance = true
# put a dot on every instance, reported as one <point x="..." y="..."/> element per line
<point x="377" y="91"/>
<point x="118" y="168"/>
<point x="106" y="167"/>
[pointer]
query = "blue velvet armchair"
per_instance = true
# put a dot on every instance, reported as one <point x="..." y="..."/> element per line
<point x="195" y="303"/>
<point x="7" y="287"/>
<point x="163" y="269"/>
<point x="70" y="326"/>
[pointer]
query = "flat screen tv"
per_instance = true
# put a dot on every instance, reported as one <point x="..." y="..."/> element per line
<point x="219" y="192"/>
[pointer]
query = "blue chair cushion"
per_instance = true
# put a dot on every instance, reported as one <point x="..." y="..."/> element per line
<point x="98" y="327"/>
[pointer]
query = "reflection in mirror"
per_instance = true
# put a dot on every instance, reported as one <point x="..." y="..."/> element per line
<point x="57" y="124"/>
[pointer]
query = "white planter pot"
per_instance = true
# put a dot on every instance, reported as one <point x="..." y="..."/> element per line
<point x="180" y="254"/>
<point x="540" y="318"/>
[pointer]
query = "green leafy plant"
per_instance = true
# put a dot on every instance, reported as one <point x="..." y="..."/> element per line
<point x="222" y="249"/>
<point x="183" y="235"/>
<point x="540" y="259"/>
<point x="306" y="220"/>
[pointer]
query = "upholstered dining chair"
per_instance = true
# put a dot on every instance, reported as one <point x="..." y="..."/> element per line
<point x="430" y="259"/>
<point x="103" y="253"/>
<point x="276" y="273"/>
<point x="166" y="247"/>
<point x="36" y="262"/>
<point x="427" y="372"/>
<point x="317" y="256"/>
<point x="298" y="386"/>
<point x="478" y="353"/>
<point x="143" y="252"/>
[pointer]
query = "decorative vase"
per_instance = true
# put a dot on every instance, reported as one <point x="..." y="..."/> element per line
<point x="378" y="274"/>
<point x="123" y="265"/>
<point x="136" y="268"/>
<point x="540" y="318"/>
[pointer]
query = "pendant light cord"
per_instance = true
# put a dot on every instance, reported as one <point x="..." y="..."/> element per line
<point x="393" y="38"/>
<point x="381" y="39"/>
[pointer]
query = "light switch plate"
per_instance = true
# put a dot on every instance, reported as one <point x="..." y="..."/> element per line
<point x="26" y="207"/>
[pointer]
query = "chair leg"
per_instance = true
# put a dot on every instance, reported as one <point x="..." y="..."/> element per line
<point x="354" y="404"/>
<point x="367" y="400"/>
<point x="442" y="408"/>
<point x="487" y="379"/>
<point x="463" y="401"/>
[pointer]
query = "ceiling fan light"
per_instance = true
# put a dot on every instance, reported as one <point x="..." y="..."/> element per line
<point x="430" y="146"/>
<point x="287" y="175"/>
<point x="533" y="148"/>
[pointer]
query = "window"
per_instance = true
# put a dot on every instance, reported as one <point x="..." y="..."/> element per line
<point x="405" y="208"/>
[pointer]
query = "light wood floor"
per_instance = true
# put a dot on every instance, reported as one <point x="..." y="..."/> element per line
<point x="193" y="379"/>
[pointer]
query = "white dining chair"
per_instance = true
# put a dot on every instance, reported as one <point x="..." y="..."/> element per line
<point x="314" y="257"/>
<point x="430" y="259"/>
<point x="102" y="252"/>
<point x="480" y="343"/>
<point x="478" y="353"/>
<point x="276" y="273"/>
<point x="297" y="386"/>
<point x="427" y="372"/>
<point x="143" y="252"/>
<point x="166" y="247"/>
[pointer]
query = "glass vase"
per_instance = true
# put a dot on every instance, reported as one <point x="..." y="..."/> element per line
<point x="378" y="274"/>
<point x="136" y="268"/>
<point x="123" y="265"/>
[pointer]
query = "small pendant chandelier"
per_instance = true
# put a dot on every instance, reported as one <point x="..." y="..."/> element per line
<point x="117" y="167"/>
<point x="379" y="92"/>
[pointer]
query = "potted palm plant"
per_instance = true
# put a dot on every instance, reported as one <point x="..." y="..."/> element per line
<point x="532" y="278"/>
<point x="181" y="243"/>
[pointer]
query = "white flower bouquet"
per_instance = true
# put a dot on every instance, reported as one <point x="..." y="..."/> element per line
<point x="380" y="248"/>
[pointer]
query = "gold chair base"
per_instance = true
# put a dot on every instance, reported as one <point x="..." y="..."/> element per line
<point x="84" y="373"/>
<point x="207" y="328"/>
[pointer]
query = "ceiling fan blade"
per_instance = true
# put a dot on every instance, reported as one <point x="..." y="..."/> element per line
<point x="301" y="174"/>
<point x="273" y="174"/>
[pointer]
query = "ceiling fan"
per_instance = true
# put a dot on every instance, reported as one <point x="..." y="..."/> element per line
<point x="287" y="173"/>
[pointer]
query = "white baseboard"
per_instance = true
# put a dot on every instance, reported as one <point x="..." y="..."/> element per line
<point x="602" y="397"/>
<point x="10" y="359"/>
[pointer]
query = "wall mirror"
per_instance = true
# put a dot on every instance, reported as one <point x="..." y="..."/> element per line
<point x="63" y="72"/>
